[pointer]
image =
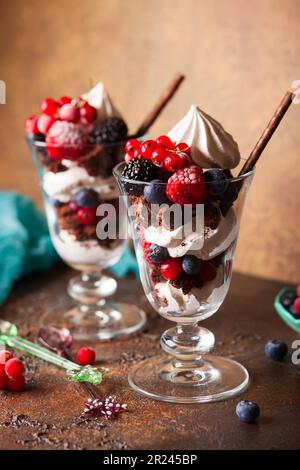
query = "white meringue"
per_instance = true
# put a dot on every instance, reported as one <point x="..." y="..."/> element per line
<point x="211" y="146"/>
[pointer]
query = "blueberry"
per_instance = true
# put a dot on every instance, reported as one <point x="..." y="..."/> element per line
<point x="191" y="264"/>
<point x="218" y="183"/>
<point x="288" y="299"/>
<point x="87" y="198"/>
<point x="155" y="192"/>
<point x="158" y="254"/>
<point x="247" y="411"/>
<point x="276" y="350"/>
<point x="56" y="203"/>
<point x="231" y="193"/>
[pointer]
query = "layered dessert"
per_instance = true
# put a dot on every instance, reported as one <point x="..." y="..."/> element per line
<point x="77" y="142"/>
<point x="185" y="256"/>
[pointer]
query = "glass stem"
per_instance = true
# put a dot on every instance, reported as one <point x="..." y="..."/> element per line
<point x="187" y="343"/>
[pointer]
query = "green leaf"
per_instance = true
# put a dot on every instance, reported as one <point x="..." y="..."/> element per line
<point x="86" y="374"/>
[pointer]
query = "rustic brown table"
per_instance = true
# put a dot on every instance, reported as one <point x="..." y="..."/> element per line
<point x="48" y="414"/>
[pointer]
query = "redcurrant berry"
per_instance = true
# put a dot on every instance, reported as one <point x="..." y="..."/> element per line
<point x="171" y="268"/>
<point x="86" y="215"/>
<point x="88" y="113"/>
<point x="44" y="123"/>
<point x="31" y="125"/>
<point x="174" y="162"/>
<point x="5" y="356"/>
<point x="131" y="146"/>
<point x="86" y="356"/>
<point x="15" y="385"/>
<point x="49" y="106"/>
<point x="147" y="148"/>
<point x="183" y="147"/>
<point x="165" y="142"/>
<point x="64" y="100"/>
<point x="158" y="156"/>
<point x="14" y="368"/>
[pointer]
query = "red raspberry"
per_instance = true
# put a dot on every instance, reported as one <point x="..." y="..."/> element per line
<point x="14" y="368"/>
<point x="296" y="306"/>
<point x="208" y="272"/>
<point x="147" y="148"/>
<point x="165" y="142"/>
<point x="88" y="113"/>
<point x="131" y="146"/>
<point x="171" y="268"/>
<point x="49" y="106"/>
<point x="69" y="112"/>
<point x="146" y="247"/>
<point x="186" y="186"/>
<point x="15" y="385"/>
<point x="5" y="356"/>
<point x="86" y="215"/>
<point x="31" y="125"/>
<point x="44" y="123"/>
<point x="65" y="140"/>
<point x="86" y="356"/>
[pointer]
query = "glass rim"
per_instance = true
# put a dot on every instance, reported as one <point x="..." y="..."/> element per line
<point x="117" y="174"/>
<point x="88" y="145"/>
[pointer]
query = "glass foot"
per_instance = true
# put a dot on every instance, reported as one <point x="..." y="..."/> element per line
<point x="103" y="322"/>
<point x="214" y="378"/>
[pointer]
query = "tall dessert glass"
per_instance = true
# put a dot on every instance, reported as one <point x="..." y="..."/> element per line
<point x="206" y="233"/>
<point x="82" y="204"/>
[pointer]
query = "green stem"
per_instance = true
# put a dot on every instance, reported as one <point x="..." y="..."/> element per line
<point x="40" y="352"/>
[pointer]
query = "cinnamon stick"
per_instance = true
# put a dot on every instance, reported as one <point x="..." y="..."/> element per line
<point x="267" y="133"/>
<point x="160" y="105"/>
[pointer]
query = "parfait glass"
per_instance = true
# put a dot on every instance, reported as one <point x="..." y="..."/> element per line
<point x="204" y="235"/>
<point x="88" y="231"/>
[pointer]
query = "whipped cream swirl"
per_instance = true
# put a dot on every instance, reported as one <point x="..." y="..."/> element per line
<point x="99" y="99"/>
<point x="211" y="146"/>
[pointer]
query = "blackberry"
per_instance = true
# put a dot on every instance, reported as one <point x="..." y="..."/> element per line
<point x="110" y="131"/>
<point x="138" y="170"/>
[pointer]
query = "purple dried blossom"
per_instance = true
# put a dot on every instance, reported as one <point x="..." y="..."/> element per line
<point x="108" y="408"/>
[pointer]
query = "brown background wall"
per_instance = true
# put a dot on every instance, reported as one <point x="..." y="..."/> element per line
<point x="239" y="56"/>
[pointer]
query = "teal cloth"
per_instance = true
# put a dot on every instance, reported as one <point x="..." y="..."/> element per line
<point x="25" y="244"/>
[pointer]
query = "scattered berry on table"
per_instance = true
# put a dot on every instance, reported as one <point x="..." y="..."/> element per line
<point x="15" y="385"/>
<point x="110" y="131"/>
<point x="2" y="379"/>
<point x="155" y="192"/>
<point x="165" y="142"/>
<point x="69" y="112"/>
<point x="5" y="356"/>
<point x="147" y="148"/>
<point x="187" y="186"/>
<point x="86" y="197"/>
<point x="276" y="350"/>
<point x="191" y="264"/>
<point x="158" y="254"/>
<point x="44" y="123"/>
<point x="14" y="368"/>
<point x="296" y="306"/>
<point x="217" y="182"/>
<point x="86" y="215"/>
<point x="247" y="411"/>
<point x="86" y="356"/>
<point x="171" y="268"/>
<point x="49" y="106"/>
<point x="108" y="408"/>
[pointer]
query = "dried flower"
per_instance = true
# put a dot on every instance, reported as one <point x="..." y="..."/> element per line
<point x="108" y="408"/>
